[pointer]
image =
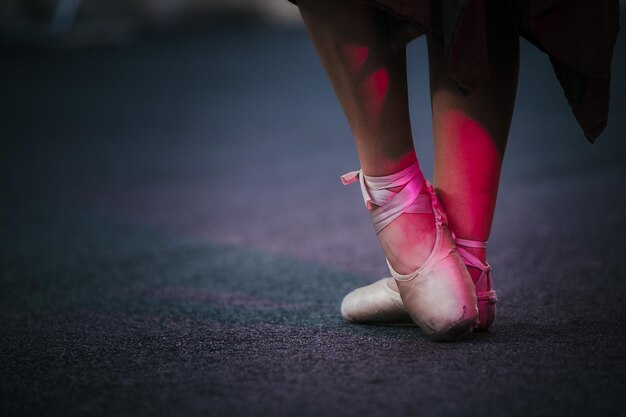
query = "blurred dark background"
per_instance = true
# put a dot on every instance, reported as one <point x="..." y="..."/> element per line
<point x="92" y="22"/>
<point x="174" y="238"/>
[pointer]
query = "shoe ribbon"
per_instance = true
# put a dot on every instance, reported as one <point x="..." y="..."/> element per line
<point x="385" y="205"/>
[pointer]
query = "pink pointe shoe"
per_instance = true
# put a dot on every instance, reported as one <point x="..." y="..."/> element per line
<point x="438" y="296"/>
<point x="379" y="303"/>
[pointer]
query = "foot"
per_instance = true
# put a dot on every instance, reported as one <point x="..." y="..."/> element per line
<point x="377" y="303"/>
<point x="434" y="285"/>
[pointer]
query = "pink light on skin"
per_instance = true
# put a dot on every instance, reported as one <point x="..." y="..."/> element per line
<point x="356" y="55"/>
<point x="475" y="169"/>
<point x="376" y="86"/>
<point x="375" y="82"/>
<point x="473" y="143"/>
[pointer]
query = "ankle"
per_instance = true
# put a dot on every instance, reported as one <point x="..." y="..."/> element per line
<point x="480" y="253"/>
<point x="381" y="167"/>
<point x="476" y="248"/>
<point x="402" y="218"/>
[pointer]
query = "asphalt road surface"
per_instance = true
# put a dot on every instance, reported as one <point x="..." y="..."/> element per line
<point x="175" y="241"/>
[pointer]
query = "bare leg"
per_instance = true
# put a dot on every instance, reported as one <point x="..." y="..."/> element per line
<point x="370" y="82"/>
<point x="471" y="131"/>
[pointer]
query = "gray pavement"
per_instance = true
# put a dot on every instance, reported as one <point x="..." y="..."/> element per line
<point x="175" y="241"/>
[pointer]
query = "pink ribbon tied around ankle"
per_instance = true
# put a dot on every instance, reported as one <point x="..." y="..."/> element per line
<point x="391" y="204"/>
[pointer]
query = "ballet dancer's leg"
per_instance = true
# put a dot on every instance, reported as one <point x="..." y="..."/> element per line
<point x="471" y="132"/>
<point x="371" y="85"/>
<point x="370" y="82"/>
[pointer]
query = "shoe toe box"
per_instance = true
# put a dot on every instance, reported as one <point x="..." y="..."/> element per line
<point x="374" y="303"/>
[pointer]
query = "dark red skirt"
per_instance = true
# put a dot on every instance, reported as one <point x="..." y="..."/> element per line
<point x="577" y="35"/>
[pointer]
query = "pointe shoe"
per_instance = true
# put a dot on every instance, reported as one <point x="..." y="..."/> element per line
<point x="485" y="295"/>
<point x="439" y="296"/>
<point x="377" y="303"/>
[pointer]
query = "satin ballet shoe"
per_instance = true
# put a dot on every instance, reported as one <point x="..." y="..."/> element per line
<point x="485" y="295"/>
<point x="439" y="296"/>
<point x="378" y="303"/>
